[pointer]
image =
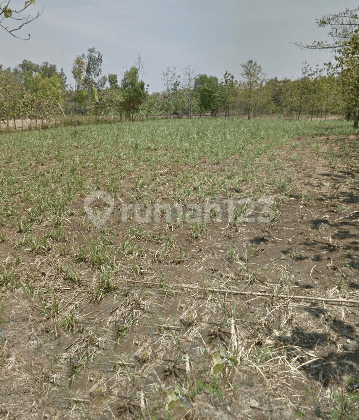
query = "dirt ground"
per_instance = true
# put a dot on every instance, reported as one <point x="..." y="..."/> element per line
<point x="186" y="301"/>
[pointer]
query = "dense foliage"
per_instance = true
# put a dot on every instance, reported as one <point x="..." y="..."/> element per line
<point x="39" y="92"/>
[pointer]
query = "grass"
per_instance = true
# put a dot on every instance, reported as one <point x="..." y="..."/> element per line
<point x="105" y="284"/>
<point x="101" y="157"/>
<point x="135" y="305"/>
<point x="9" y="278"/>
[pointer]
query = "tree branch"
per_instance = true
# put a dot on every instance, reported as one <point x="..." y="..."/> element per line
<point x="27" y="19"/>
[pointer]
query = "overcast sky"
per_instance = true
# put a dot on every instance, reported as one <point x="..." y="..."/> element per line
<point x="211" y="36"/>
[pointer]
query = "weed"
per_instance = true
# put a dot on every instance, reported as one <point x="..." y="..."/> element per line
<point x="105" y="284"/>
<point x="211" y="386"/>
<point x="123" y="327"/>
<point x="9" y="278"/>
<point x="212" y="213"/>
<point x="57" y="234"/>
<point x="39" y="246"/>
<point x="28" y="288"/>
<point x="77" y="363"/>
<point x="148" y="163"/>
<point x="232" y="255"/>
<point x="197" y="230"/>
<point x="69" y="275"/>
<point x="81" y="255"/>
<point x="223" y="360"/>
<point x="127" y="248"/>
<point x="24" y="227"/>
<point x="167" y="287"/>
<point x="136" y="232"/>
<point x="99" y="255"/>
<point x="69" y="322"/>
<point x="298" y="413"/>
<point x="181" y="257"/>
<point x="317" y="148"/>
<point x="347" y="406"/>
<point x="51" y="307"/>
<point x="262" y="354"/>
<point x="240" y="211"/>
<point x="282" y="184"/>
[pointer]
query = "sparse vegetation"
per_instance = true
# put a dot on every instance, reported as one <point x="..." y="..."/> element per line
<point x="193" y="313"/>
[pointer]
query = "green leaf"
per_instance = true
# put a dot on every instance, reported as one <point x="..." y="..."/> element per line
<point x="207" y="388"/>
<point x="218" y="364"/>
<point x="173" y="400"/>
<point x="217" y="368"/>
<point x="7" y="12"/>
<point x="171" y="405"/>
<point x="233" y="361"/>
<point x="222" y="351"/>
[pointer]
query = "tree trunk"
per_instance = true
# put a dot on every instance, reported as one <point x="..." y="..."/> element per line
<point x="356" y="119"/>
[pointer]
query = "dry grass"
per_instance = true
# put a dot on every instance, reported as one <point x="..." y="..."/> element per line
<point x="176" y="319"/>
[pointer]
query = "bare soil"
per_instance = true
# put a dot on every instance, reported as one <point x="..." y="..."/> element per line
<point x="175" y="302"/>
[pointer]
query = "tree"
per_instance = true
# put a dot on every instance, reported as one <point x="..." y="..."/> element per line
<point x="140" y="65"/>
<point x="27" y="68"/>
<point x="48" y="70"/>
<point x="342" y="26"/>
<point x="134" y="92"/>
<point x="10" y="96"/>
<point x="43" y="95"/>
<point x="228" y="83"/>
<point x="171" y="83"/>
<point x="78" y="71"/>
<point x="113" y="81"/>
<point x="93" y="71"/>
<point x="208" y="93"/>
<point x="252" y="73"/>
<point x="87" y="71"/>
<point x="188" y="89"/>
<point x="274" y="96"/>
<point x="8" y="13"/>
<point x="149" y="106"/>
<point x="348" y="66"/>
<point x="111" y="101"/>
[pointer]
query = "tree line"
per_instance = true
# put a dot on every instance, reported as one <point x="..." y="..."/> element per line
<point x="40" y="91"/>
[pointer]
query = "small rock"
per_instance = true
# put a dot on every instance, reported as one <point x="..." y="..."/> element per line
<point x="253" y="403"/>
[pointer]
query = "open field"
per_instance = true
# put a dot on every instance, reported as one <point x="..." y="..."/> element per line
<point x="182" y="306"/>
<point x="76" y="120"/>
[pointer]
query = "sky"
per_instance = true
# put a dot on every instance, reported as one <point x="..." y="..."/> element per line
<point x="211" y="36"/>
